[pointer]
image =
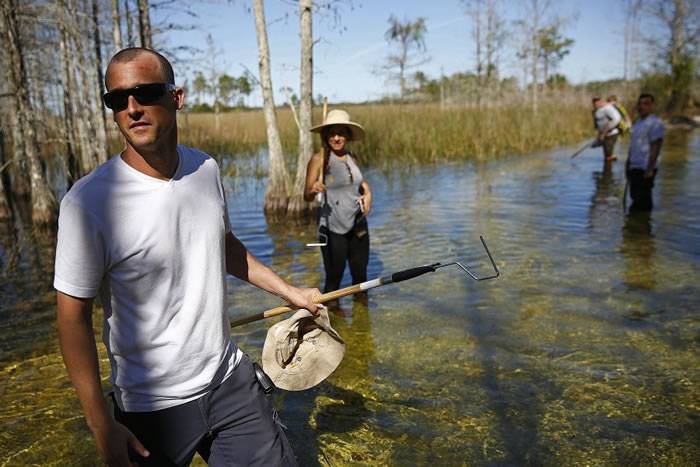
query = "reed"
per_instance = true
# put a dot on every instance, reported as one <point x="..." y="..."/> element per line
<point x="409" y="133"/>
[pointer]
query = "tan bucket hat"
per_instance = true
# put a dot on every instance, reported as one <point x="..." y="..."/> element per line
<point x="341" y="117"/>
<point x="302" y="351"/>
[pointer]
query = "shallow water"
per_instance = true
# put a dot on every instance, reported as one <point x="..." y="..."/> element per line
<point x="585" y="351"/>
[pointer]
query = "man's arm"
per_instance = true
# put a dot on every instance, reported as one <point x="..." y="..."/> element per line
<point x="654" y="151"/>
<point x="242" y="264"/>
<point x="613" y="117"/>
<point x="77" y="342"/>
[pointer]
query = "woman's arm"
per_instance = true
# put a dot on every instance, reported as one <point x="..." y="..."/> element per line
<point x="366" y="197"/>
<point x="313" y="171"/>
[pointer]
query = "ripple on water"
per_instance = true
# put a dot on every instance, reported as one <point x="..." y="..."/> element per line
<point x="585" y="351"/>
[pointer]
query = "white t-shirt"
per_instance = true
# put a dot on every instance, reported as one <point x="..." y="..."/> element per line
<point x="154" y="251"/>
<point x="644" y="132"/>
<point x="608" y="114"/>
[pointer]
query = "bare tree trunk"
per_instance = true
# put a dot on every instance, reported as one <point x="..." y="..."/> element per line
<point x="44" y="207"/>
<point x="16" y="169"/>
<point x="306" y="147"/>
<point x="5" y="208"/>
<point x="79" y="116"/>
<point x="89" y="150"/>
<point x="537" y="11"/>
<point x="217" y="116"/>
<point x="276" y="197"/>
<point x="116" y="25"/>
<point x="19" y="170"/>
<point x="129" y="19"/>
<point x="71" y="165"/>
<point x="493" y="37"/>
<point x="101" y="120"/>
<point x="477" y="17"/>
<point x="402" y="71"/>
<point x="145" y="25"/>
<point x="681" y="71"/>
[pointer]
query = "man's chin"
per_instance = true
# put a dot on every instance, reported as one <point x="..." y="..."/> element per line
<point x="142" y="141"/>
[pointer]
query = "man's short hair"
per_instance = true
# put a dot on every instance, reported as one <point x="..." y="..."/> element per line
<point x="646" y="95"/>
<point x="130" y="53"/>
<point x="595" y="98"/>
<point x="611" y="98"/>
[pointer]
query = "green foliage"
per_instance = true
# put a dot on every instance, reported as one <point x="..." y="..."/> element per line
<point x="200" y="87"/>
<point x="410" y="33"/>
<point x="657" y="84"/>
<point x="557" y="81"/>
<point x="200" y="107"/>
<point x="227" y="88"/>
<point x="553" y="46"/>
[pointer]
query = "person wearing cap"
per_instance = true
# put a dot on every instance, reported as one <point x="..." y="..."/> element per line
<point x="346" y="199"/>
<point x="644" y="151"/>
<point x="607" y="121"/>
<point x="148" y="231"/>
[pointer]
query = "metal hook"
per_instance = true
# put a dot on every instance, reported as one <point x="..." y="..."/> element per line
<point x="465" y="269"/>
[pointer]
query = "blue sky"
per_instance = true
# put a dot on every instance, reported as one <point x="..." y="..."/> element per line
<point x="348" y="55"/>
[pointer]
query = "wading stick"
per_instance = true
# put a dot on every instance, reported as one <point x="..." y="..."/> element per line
<point x="589" y="144"/>
<point x="322" y="197"/>
<point x="371" y="284"/>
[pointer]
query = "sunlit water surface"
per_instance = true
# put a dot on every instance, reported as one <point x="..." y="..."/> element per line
<point x="585" y="352"/>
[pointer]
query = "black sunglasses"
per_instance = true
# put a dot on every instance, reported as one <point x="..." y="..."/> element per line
<point x="145" y="94"/>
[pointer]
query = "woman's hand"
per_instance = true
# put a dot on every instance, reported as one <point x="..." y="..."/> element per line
<point x="365" y="202"/>
<point x="318" y="187"/>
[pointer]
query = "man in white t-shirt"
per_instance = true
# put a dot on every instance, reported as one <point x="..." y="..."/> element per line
<point x="643" y="157"/>
<point x="148" y="232"/>
<point x="607" y="120"/>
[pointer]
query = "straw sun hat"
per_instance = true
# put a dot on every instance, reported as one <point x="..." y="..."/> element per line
<point x="302" y="351"/>
<point x="341" y="117"/>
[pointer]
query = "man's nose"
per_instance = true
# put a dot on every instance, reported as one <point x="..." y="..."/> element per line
<point x="133" y="107"/>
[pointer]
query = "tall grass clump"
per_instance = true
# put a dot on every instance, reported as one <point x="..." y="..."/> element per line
<point x="426" y="133"/>
<point x="409" y="133"/>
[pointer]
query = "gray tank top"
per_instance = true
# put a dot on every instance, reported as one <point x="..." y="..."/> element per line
<point x="342" y="180"/>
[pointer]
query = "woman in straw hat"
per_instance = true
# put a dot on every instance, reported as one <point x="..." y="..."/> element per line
<point x="346" y="199"/>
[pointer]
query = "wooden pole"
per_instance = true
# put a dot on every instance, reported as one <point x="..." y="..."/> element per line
<point x="353" y="289"/>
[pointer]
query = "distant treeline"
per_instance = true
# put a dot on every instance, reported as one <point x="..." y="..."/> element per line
<point x="53" y="57"/>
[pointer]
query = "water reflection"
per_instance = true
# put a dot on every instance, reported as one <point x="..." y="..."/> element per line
<point x="638" y="251"/>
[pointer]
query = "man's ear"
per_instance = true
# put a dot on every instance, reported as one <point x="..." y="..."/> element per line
<point x="179" y="97"/>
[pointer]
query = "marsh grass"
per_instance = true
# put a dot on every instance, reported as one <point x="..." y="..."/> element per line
<point x="408" y="133"/>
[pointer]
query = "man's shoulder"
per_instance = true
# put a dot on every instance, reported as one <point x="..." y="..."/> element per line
<point x="196" y="159"/>
<point x="90" y="187"/>
<point x="656" y="120"/>
<point x="652" y="121"/>
<point x="194" y="153"/>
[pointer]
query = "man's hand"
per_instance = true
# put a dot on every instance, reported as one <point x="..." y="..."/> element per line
<point x="648" y="173"/>
<point x="113" y="444"/>
<point x="303" y="298"/>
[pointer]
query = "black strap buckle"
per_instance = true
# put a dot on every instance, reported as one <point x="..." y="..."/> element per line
<point x="266" y="383"/>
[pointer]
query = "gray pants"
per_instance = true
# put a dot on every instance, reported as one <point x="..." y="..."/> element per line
<point x="233" y="425"/>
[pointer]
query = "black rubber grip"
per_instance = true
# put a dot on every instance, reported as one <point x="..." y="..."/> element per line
<point x="413" y="272"/>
